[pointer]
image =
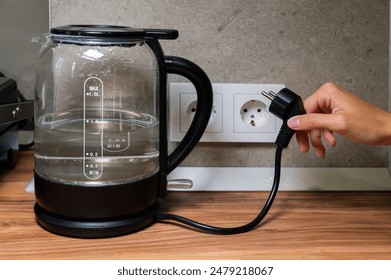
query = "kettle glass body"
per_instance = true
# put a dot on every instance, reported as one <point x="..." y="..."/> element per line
<point x="97" y="117"/>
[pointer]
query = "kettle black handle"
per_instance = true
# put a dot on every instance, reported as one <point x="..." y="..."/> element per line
<point x="191" y="71"/>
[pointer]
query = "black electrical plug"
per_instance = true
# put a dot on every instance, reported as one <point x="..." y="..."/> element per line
<point x="285" y="104"/>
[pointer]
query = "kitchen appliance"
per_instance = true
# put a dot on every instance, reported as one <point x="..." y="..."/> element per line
<point x="101" y="159"/>
<point x="12" y="112"/>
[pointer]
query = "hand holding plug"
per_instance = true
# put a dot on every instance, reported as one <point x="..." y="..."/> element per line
<point x="332" y="109"/>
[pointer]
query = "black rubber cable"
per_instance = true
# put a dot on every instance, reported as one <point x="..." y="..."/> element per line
<point x="240" y="229"/>
<point x="284" y="105"/>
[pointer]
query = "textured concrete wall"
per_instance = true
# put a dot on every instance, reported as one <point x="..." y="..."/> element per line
<point x="19" y="22"/>
<point x="302" y="43"/>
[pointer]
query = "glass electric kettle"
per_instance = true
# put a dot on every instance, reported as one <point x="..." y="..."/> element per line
<point x="101" y="159"/>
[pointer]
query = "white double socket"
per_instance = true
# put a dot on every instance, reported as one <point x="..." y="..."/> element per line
<point x="240" y="113"/>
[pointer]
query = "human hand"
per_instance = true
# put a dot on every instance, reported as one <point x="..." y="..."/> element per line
<point x="332" y="109"/>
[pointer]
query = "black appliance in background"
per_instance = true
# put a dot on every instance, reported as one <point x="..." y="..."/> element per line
<point x="14" y="111"/>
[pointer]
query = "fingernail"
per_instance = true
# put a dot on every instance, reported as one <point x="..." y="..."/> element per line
<point x="319" y="155"/>
<point x="304" y="150"/>
<point x="294" y="122"/>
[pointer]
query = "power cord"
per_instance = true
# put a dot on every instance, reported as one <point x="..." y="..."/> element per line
<point x="285" y="104"/>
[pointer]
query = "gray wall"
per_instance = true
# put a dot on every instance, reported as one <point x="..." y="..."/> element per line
<point x="20" y="20"/>
<point x="301" y="43"/>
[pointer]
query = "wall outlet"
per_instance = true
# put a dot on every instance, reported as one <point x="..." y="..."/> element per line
<point x="188" y="104"/>
<point x="240" y="113"/>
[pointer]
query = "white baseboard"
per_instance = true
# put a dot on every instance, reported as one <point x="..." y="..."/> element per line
<point x="292" y="179"/>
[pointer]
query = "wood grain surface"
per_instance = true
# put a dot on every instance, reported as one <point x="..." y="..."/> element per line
<point x="300" y="225"/>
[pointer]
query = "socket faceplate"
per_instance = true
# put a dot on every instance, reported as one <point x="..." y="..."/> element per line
<point x="240" y="113"/>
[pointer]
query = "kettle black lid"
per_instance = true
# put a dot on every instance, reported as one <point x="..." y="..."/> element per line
<point x="110" y="32"/>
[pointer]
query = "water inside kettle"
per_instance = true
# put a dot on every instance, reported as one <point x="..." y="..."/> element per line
<point x="96" y="147"/>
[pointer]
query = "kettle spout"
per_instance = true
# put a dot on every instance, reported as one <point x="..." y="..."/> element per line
<point x="42" y="39"/>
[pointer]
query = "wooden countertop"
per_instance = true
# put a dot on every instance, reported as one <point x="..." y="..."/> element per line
<point x="300" y="225"/>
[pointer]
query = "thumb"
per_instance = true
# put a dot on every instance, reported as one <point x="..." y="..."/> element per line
<point x="315" y="121"/>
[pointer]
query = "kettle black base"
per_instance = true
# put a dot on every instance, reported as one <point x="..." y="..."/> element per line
<point x="94" y="212"/>
<point x="95" y="228"/>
